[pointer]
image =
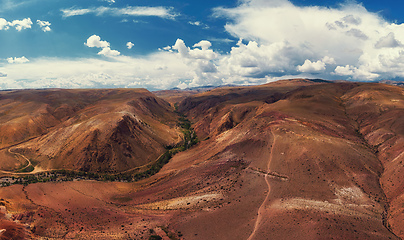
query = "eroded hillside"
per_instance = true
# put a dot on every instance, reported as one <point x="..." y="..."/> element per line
<point x="88" y="130"/>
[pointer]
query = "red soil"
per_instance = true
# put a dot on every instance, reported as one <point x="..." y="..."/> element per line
<point x="292" y="159"/>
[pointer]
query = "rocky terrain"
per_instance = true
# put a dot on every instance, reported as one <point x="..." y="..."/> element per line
<point x="293" y="159"/>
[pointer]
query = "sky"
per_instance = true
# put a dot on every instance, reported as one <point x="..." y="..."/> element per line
<point x="165" y="44"/>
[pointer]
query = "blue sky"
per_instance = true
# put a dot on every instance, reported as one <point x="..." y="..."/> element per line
<point x="162" y="44"/>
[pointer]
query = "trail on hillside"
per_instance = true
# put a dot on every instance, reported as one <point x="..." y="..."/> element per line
<point x="264" y="203"/>
<point x="39" y="206"/>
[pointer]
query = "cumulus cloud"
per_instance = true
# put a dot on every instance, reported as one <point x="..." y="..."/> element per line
<point x="4" y="24"/>
<point x="95" y="41"/>
<point x="204" y="44"/>
<point x="253" y="60"/>
<point x="130" y="45"/>
<point x="162" y="12"/>
<point x="201" y="59"/>
<point x="351" y="35"/>
<point x="355" y="73"/>
<point x="310" y="66"/>
<point x="17" y="24"/>
<point x="44" y="25"/>
<point x="17" y="60"/>
<point x="21" y="24"/>
<point x="195" y="53"/>
<point x="313" y="67"/>
<point x="108" y="52"/>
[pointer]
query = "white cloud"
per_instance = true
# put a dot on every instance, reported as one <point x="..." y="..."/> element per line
<point x="44" y="25"/>
<point x="21" y="24"/>
<point x="162" y="12"/>
<point x="201" y="59"/>
<point x="18" y="24"/>
<point x="349" y="34"/>
<point x="345" y="70"/>
<point x="160" y="70"/>
<point x="76" y="12"/>
<point x="108" y="52"/>
<point x="355" y="73"/>
<point x="17" y="60"/>
<point x="196" y="53"/>
<point x="223" y="40"/>
<point x="315" y="67"/>
<point x="130" y="45"/>
<point x="4" y="24"/>
<point x="256" y="62"/>
<point x="204" y="44"/>
<point x="310" y="66"/>
<point x="197" y="23"/>
<point x="328" y="60"/>
<point x="95" y="41"/>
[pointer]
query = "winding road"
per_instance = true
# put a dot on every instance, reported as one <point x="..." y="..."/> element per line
<point x="19" y="173"/>
<point x="25" y="158"/>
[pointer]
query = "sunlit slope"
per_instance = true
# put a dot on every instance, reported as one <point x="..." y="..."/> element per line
<point x="90" y="130"/>
<point x="304" y="156"/>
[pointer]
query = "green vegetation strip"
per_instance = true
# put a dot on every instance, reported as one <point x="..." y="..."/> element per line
<point x="190" y="139"/>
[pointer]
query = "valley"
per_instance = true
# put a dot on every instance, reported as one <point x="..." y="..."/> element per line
<point x="298" y="158"/>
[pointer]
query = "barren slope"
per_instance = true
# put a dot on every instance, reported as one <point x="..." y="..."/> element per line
<point x="294" y="159"/>
<point x="379" y="111"/>
<point x="319" y="178"/>
<point x="90" y="130"/>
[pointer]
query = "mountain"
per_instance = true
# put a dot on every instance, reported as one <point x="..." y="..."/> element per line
<point x="313" y="146"/>
<point x="88" y="130"/>
<point x="292" y="159"/>
<point x="394" y="83"/>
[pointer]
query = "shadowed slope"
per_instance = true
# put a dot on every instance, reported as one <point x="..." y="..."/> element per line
<point x="379" y="111"/>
